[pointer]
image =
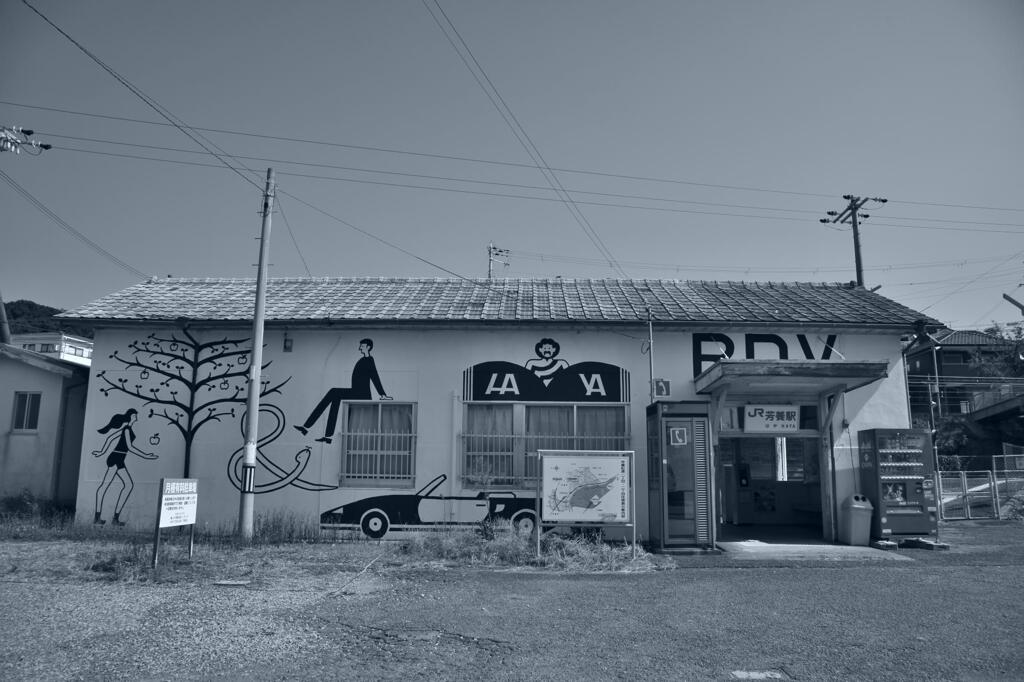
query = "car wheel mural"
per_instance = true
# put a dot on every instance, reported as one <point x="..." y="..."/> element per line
<point x="426" y="508"/>
<point x="374" y="524"/>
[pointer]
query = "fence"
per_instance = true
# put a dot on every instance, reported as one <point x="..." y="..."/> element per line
<point x="978" y="494"/>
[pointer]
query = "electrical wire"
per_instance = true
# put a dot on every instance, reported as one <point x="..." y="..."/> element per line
<point x="494" y="162"/>
<point x="605" y="204"/>
<point x="494" y="95"/>
<point x="291" y="234"/>
<point x="152" y="103"/>
<point x="41" y="207"/>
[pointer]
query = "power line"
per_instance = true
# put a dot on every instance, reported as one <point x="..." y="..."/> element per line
<point x="494" y="162"/>
<point x="25" y="194"/>
<point x="660" y="209"/>
<point x="150" y="102"/>
<point x="291" y="234"/>
<point x="520" y="133"/>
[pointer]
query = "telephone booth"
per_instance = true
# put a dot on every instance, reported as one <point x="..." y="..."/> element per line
<point x="680" y="476"/>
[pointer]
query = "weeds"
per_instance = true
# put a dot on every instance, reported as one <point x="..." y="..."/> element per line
<point x="496" y="544"/>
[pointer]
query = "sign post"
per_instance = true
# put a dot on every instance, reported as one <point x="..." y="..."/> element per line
<point x="179" y="498"/>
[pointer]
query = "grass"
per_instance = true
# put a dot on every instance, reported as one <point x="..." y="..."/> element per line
<point x="126" y="555"/>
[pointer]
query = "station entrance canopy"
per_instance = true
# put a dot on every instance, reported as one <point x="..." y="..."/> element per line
<point x="796" y="379"/>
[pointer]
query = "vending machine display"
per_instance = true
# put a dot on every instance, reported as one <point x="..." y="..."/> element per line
<point x="898" y="476"/>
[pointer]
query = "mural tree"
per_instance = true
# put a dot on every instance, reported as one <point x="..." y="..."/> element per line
<point x="186" y="382"/>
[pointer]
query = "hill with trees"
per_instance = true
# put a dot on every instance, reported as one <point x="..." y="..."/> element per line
<point x="28" y="317"/>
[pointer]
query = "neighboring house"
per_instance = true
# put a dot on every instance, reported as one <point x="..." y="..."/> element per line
<point x="42" y="408"/>
<point x="56" y="344"/>
<point x="389" y="404"/>
<point x="943" y="380"/>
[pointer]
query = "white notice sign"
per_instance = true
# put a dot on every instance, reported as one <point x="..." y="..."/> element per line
<point x="770" y="418"/>
<point x="179" y="498"/>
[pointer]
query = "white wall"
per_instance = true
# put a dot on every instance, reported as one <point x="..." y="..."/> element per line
<point x="419" y="365"/>
<point x="27" y="458"/>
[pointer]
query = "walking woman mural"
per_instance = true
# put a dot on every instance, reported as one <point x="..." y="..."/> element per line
<point x="122" y="438"/>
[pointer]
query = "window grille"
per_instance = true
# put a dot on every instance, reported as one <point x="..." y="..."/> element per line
<point x="500" y="440"/>
<point x="379" y="444"/>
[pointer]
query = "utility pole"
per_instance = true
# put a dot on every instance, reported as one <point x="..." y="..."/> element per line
<point x="16" y="138"/>
<point x="495" y="254"/>
<point x="5" y="329"/>
<point x="850" y="215"/>
<point x="252" y="409"/>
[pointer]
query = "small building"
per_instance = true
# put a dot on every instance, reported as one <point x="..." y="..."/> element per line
<point x="42" y="409"/>
<point x="56" y="344"/>
<point x="391" y="404"/>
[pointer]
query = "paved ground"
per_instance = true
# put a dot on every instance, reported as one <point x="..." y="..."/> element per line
<point x="856" y="615"/>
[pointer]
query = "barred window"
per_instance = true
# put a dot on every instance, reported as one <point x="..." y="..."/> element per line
<point x="500" y="440"/>
<point x="379" y="444"/>
<point x="26" y="411"/>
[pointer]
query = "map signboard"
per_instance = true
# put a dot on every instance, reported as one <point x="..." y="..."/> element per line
<point x="586" y="487"/>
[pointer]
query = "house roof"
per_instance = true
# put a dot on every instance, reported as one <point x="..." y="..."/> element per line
<point x="952" y="337"/>
<point x="40" y="361"/>
<point x="317" y="300"/>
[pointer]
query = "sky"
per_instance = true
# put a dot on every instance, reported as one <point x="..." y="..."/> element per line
<point x="677" y="140"/>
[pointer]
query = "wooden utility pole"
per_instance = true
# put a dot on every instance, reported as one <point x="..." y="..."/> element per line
<point x="252" y="410"/>
<point x="495" y="254"/>
<point x="850" y="215"/>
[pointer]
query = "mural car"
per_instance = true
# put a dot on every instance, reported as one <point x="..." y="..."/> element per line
<point x="375" y="516"/>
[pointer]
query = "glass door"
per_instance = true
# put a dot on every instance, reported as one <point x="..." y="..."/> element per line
<point x="679" y="476"/>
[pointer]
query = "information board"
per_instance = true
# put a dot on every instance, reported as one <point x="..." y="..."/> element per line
<point x="179" y="498"/>
<point x="586" y="487"/>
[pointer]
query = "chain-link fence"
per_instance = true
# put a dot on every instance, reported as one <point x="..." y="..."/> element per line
<point x="980" y="494"/>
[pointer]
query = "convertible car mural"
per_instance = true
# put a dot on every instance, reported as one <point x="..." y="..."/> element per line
<point x="375" y="516"/>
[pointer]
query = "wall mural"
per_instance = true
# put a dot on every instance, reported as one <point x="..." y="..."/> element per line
<point x="364" y="373"/>
<point x="195" y="383"/>
<point x="119" y="444"/>
<point x="545" y="377"/>
<point x="282" y="477"/>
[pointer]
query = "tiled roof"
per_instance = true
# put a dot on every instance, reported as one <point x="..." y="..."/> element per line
<point x="501" y="300"/>
<point x="968" y="338"/>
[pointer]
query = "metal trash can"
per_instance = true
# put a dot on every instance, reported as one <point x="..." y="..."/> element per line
<point x="855" y="521"/>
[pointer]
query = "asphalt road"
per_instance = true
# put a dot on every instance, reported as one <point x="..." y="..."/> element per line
<point x="935" y="616"/>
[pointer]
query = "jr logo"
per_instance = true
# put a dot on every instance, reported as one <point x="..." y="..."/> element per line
<point x="594" y="385"/>
<point x="508" y="385"/>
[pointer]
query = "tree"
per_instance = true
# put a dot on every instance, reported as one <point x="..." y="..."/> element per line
<point x="188" y="383"/>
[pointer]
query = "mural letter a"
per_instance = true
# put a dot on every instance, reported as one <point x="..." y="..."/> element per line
<point x="594" y="385"/>
<point x="508" y="385"/>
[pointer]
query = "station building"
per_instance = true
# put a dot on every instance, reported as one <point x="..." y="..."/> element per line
<point x="396" y="404"/>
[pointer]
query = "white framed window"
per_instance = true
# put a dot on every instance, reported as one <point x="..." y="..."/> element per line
<point x="378" y="444"/>
<point x="26" y="411"/>
<point x="500" y="440"/>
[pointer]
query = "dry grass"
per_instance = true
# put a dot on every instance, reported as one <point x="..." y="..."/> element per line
<point x="39" y="541"/>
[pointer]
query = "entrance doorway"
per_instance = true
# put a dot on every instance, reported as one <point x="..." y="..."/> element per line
<point x="769" y="488"/>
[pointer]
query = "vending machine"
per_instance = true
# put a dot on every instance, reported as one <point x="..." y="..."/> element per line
<point x="898" y="476"/>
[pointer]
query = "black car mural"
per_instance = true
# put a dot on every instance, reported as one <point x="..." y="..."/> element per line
<point x="375" y="516"/>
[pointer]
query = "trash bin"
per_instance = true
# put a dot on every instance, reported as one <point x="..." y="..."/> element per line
<point x="855" y="520"/>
